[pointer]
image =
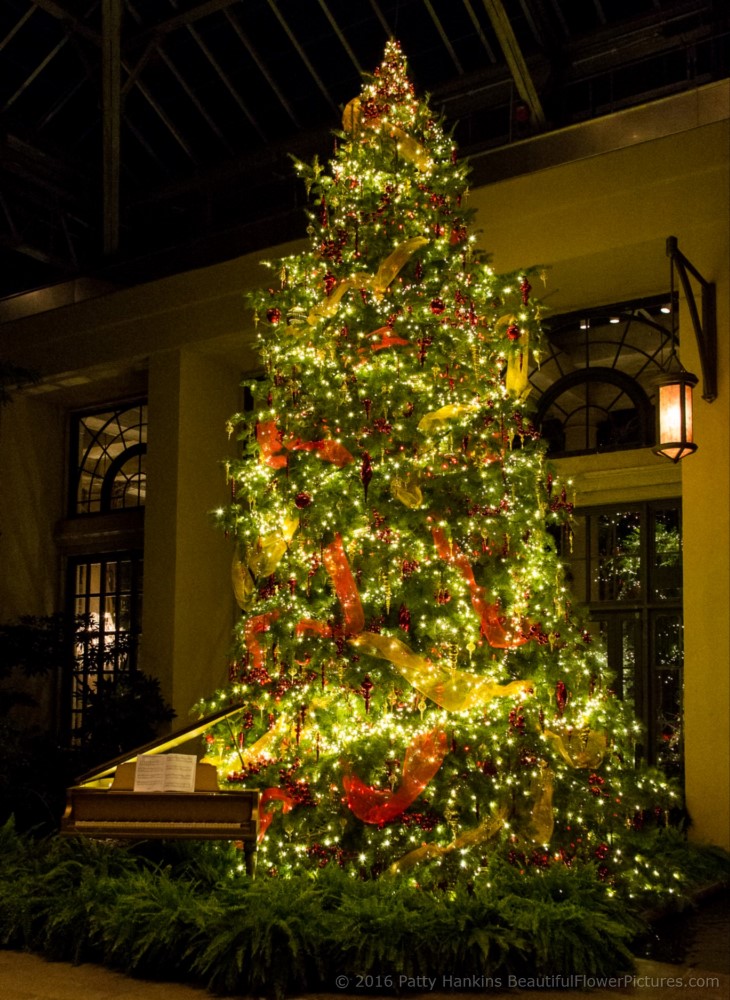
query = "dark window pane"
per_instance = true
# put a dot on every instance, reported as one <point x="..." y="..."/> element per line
<point x="108" y="599"/>
<point x="668" y="733"/>
<point x="630" y="656"/>
<point x="668" y="640"/>
<point x="618" y="564"/>
<point x="666" y="573"/>
<point x="625" y="564"/>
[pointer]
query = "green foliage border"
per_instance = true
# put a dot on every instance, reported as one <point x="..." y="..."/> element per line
<point x="174" y="912"/>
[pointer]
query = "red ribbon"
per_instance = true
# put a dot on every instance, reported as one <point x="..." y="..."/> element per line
<point x="253" y="627"/>
<point x="266" y="815"/>
<point x="338" y="568"/>
<point x="271" y="442"/>
<point x="386" y="339"/>
<point x="491" y="625"/>
<point x="269" y="439"/>
<point x="422" y="760"/>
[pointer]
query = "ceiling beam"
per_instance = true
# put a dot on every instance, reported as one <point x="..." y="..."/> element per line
<point x="343" y="41"/>
<point x="227" y="82"/>
<point x="515" y="59"/>
<point x="303" y="56"/>
<point x="381" y="17"/>
<point x="36" y="72"/>
<point x="111" y="21"/>
<point x="444" y="37"/>
<point x="180" y="20"/>
<point x="233" y="21"/>
<point x="62" y="179"/>
<point x="70" y="20"/>
<point x="478" y="31"/>
<point x="42" y="256"/>
<point x="16" y="28"/>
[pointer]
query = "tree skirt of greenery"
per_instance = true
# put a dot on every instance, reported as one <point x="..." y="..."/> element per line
<point x="181" y="911"/>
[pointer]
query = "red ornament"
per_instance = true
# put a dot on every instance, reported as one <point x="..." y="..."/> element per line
<point x="329" y="283"/>
<point x="302" y="500"/>
<point x="513" y="332"/>
<point x="437" y="306"/>
<point x="367" y="689"/>
<point x="561" y="696"/>
<point x="423" y="345"/>
<point x="442" y="596"/>
<point x="517" y="719"/>
<point x="273" y="315"/>
<point x="525" y="288"/>
<point x="366" y="472"/>
<point x="404" y="618"/>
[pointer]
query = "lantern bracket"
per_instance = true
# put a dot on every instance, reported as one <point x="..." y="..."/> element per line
<point x="705" y="327"/>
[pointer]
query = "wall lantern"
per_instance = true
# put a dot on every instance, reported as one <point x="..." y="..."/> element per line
<point x="675" y="385"/>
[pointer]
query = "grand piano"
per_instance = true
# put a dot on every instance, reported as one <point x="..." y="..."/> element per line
<point x="103" y="802"/>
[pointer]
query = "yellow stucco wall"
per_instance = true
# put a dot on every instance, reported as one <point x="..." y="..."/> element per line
<point x="32" y="480"/>
<point x="188" y="607"/>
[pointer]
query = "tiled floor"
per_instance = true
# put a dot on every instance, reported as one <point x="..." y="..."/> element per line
<point x="29" y="977"/>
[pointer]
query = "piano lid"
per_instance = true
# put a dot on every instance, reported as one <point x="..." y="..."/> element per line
<point x="159" y="745"/>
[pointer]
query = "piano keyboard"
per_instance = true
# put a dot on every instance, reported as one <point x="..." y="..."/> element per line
<point x="157" y="824"/>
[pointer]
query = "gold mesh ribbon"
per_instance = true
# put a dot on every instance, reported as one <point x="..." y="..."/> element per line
<point x="408" y="492"/>
<point x="454" y="690"/>
<point x="352" y="121"/>
<point x="516" y="380"/>
<point x="377" y="283"/>
<point x="487" y="829"/>
<point x="582" y="747"/>
<point x="440" y="419"/>
<point x="270" y="549"/>
<point x="248" y="755"/>
<point x="244" y="585"/>
<point x="261" y="561"/>
<point x="540" y="826"/>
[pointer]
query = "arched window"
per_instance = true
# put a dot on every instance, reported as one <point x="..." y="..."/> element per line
<point x="594" y="391"/>
<point x="110" y="465"/>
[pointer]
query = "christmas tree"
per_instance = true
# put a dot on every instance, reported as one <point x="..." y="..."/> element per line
<point x="416" y="691"/>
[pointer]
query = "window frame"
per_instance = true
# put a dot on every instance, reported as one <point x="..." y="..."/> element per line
<point x="581" y="354"/>
<point x="642" y="611"/>
<point x="76" y="469"/>
<point x="80" y="666"/>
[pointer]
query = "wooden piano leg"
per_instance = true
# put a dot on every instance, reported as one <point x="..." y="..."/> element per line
<point x="249" y="854"/>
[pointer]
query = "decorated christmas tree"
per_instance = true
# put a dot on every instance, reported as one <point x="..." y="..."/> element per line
<point x="416" y="691"/>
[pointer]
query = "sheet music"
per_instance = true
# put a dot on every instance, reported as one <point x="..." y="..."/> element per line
<point x="171" y="772"/>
